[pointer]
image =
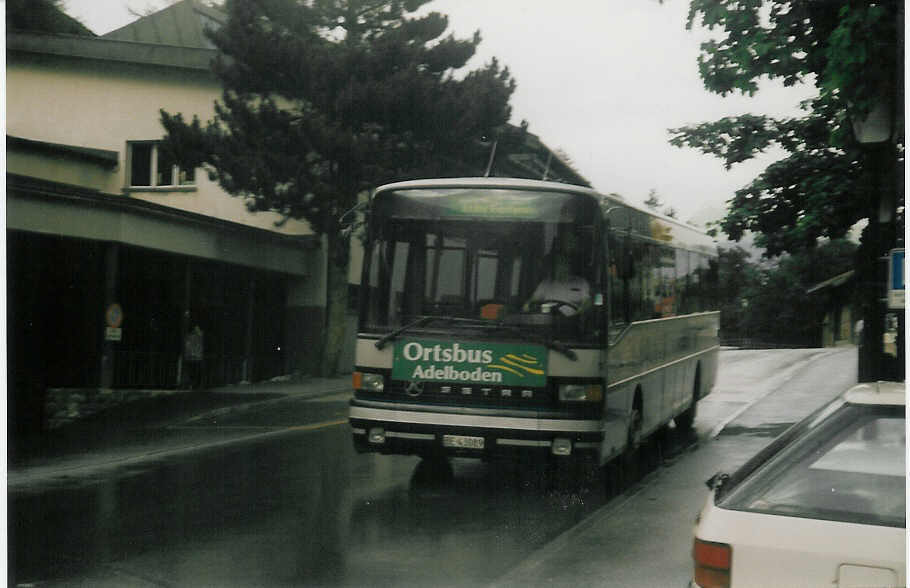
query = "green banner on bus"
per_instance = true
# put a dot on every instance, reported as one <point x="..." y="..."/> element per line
<point x="495" y="364"/>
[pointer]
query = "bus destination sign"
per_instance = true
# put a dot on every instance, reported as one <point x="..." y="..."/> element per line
<point x="474" y="362"/>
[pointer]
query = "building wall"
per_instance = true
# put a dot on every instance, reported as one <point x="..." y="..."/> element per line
<point x="103" y="105"/>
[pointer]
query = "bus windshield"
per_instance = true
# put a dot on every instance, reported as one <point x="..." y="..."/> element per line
<point x="531" y="273"/>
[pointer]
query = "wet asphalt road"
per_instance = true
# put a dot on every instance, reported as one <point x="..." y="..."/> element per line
<point x="303" y="509"/>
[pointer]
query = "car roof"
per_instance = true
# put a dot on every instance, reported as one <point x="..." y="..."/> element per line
<point x="877" y="393"/>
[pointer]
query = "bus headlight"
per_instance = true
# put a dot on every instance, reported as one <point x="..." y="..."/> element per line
<point x="580" y="393"/>
<point x="368" y="381"/>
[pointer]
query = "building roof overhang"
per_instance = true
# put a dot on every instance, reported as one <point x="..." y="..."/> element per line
<point x="100" y="49"/>
<point x="49" y="189"/>
<point x="838" y="280"/>
<point x="103" y="157"/>
<point x="46" y="207"/>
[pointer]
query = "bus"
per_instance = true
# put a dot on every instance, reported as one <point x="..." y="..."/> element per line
<point x="504" y="317"/>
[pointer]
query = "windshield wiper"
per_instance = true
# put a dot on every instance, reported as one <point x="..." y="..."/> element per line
<point x="551" y="343"/>
<point x="394" y="334"/>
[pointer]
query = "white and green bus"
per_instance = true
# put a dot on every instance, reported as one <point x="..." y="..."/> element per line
<point x="503" y="317"/>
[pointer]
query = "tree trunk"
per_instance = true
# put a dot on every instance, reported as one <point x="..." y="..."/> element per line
<point x="337" y="257"/>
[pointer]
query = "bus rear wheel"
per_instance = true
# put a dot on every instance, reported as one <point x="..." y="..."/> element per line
<point x="630" y="461"/>
<point x="685" y="420"/>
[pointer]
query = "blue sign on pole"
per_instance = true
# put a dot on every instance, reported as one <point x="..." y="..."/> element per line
<point x="896" y="279"/>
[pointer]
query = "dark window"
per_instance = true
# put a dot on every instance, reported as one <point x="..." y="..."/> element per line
<point x="148" y="163"/>
<point x="141" y="164"/>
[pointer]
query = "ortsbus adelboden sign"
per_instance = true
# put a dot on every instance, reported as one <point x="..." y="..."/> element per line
<point x="470" y="363"/>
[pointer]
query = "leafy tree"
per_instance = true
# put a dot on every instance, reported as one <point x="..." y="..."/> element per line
<point x="849" y="49"/>
<point x="324" y="99"/>
<point x="770" y="304"/>
<point x="852" y="51"/>
<point x="735" y="273"/>
<point x="780" y="310"/>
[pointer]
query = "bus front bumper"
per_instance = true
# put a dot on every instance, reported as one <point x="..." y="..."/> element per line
<point x="396" y="431"/>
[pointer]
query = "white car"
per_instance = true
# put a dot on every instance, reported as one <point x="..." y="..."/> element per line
<point x="823" y="505"/>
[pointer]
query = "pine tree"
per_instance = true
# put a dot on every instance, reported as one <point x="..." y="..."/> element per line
<point x="45" y="16"/>
<point x="653" y="202"/>
<point x="325" y="99"/>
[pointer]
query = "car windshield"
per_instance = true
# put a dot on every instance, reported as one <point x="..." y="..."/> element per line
<point x="431" y="271"/>
<point x="849" y="468"/>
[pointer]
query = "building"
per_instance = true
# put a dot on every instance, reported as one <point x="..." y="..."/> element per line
<point x="834" y="298"/>
<point x="116" y="255"/>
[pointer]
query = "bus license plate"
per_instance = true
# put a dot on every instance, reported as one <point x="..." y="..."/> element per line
<point x="462" y="442"/>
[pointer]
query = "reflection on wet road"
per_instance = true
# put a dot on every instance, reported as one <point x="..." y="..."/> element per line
<point x="299" y="509"/>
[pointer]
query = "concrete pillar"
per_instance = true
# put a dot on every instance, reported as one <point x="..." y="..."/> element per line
<point x="109" y="346"/>
<point x="250" y="318"/>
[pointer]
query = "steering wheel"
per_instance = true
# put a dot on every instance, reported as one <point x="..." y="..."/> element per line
<point x="559" y="304"/>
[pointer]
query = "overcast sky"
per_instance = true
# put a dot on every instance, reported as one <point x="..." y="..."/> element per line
<point x="602" y="80"/>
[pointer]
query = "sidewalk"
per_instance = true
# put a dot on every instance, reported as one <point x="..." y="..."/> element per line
<point x="153" y="428"/>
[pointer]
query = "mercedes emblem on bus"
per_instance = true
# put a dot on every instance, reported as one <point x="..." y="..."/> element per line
<point x="414" y="388"/>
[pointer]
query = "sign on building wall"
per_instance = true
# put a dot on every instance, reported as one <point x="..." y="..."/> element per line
<point x="113" y="316"/>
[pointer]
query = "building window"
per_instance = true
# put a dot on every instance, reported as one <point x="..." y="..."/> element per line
<point x="151" y="167"/>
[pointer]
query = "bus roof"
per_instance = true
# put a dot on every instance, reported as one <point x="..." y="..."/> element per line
<point x="487" y="183"/>
<point x="696" y="234"/>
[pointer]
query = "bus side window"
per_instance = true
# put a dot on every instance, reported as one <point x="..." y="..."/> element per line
<point x="620" y="272"/>
<point x="683" y="275"/>
<point x="710" y="283"/>
<point x="697" y="267"/>
<point x="643" y="286"/>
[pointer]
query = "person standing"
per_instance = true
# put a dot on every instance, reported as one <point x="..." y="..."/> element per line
<point x="193" y="353"/>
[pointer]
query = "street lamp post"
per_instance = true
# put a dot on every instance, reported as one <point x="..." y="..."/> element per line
<point x="874" y="133"/>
